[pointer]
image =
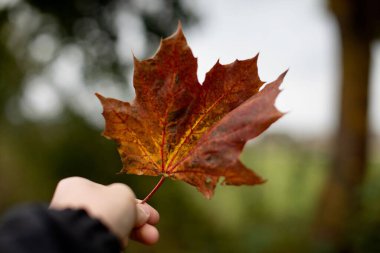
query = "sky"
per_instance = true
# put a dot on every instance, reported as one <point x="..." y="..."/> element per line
<point x="299" y="35"/>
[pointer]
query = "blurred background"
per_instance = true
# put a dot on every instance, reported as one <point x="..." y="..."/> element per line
<point x="321" y="160"/>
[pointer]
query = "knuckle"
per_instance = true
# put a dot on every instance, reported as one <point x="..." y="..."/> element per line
<point x="68" y="182"/>
<point x="124" y="190"/>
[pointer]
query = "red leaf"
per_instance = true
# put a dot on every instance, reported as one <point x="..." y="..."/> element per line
<point x="180" y="129"/>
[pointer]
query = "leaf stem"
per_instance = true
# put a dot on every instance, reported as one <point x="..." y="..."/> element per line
<point x="158" y="185"/>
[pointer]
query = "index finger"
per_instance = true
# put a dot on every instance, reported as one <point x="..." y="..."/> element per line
<point x="154" y="216"/>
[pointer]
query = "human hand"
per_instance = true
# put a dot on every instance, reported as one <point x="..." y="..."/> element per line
<point x="114" y="205"/>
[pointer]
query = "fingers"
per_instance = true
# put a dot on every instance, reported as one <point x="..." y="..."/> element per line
<point x="147" y="234"/>
<point x="114" y="205"/>
<point x="154" y="216"/>
<point x="145" y="231"/>
<point x="142" y="215"/>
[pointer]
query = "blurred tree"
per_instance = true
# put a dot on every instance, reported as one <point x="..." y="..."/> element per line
<point x="34" y="35"/>
<point x="31" y="27"/>
<point x="359" y="25"/>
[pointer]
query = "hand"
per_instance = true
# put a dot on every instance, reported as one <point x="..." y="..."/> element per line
<point x="114" y="205"/>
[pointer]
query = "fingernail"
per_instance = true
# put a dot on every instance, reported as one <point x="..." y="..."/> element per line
<point x="144" y="210"/>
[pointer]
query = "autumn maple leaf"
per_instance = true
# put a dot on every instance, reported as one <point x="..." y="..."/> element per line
<point x="180" y="129"/>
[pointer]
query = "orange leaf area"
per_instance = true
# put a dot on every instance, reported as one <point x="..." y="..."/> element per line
<point x="181" y="129"/>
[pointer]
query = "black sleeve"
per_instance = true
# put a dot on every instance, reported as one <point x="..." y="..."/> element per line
<point x="35" y="228"/>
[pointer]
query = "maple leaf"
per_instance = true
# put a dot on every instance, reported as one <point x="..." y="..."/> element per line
<point x="180" y="129"/>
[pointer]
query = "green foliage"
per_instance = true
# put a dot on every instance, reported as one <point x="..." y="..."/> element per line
<point x="270" y="218"/>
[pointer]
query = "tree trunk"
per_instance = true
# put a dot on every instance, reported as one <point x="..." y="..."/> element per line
<point x="341" y="196"/>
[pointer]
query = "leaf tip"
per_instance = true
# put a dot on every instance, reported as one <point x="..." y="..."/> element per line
<point x="178" y="34"/>
<point x="280" y="79"/>
<point x="136" y="61"/>
<point x="179" y="26"/>
<point x="208" y="194"/>
<point x="277" y="83"/>
<point x="134" y="56"/>
<point x="256" y="57"/>
<point x="100" y="97"/>
<point x="282" y="76"/>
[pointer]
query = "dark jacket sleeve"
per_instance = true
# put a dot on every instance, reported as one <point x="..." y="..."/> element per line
<point x="35" y="228"/>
